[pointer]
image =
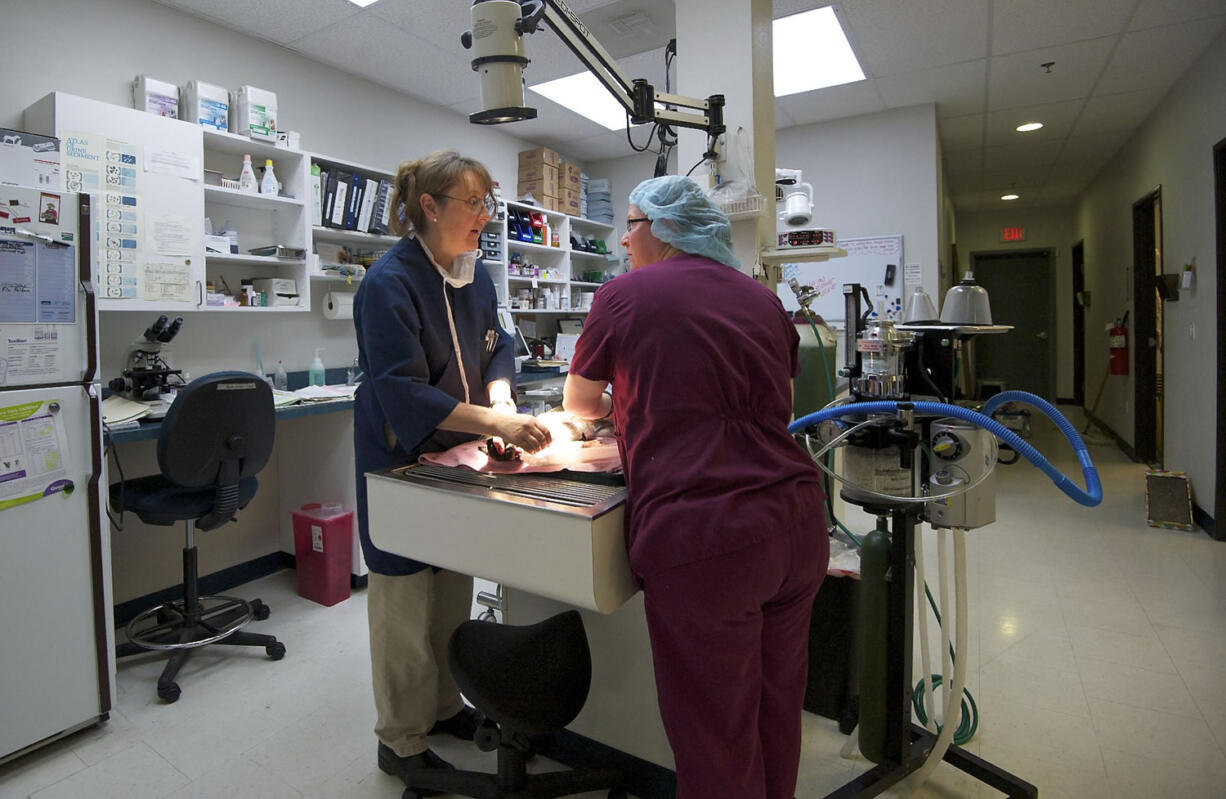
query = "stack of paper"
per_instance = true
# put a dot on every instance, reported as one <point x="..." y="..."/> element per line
<point x="599" y="200"/>
<point x="325" y="393"/>
<point x="117" y="410"/>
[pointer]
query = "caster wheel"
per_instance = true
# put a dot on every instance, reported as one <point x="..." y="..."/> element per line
<point x="169" y="692"/>
<point x="487" y="736"/>
<point x="259" y="610"/>
<point x="617" y="793"/>
<point x="275" y="651"/>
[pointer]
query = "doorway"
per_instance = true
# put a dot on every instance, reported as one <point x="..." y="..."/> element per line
<point x="1219" y="215"/>
<point x="1147" y="327"/>
<point x="1020" y="288"/>
<point x="1079" y="324"/>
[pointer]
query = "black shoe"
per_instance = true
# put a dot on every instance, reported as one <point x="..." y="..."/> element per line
<point x="462" y="725"/>
<point x="405" y="767"/>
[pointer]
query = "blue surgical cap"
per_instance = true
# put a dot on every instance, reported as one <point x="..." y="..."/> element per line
<point x="684" y="216"/>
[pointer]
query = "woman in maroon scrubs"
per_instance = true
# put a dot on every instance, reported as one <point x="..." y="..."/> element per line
<point x="725" y="526"/>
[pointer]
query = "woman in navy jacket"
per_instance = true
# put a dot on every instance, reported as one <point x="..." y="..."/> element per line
<point x="438" y="373"/>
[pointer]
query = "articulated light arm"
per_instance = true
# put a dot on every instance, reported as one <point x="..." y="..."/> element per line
<point x="496" y="39"/>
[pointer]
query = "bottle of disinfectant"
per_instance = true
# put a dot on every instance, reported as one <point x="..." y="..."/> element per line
<point x="279" y="379"/>
<point x="246" y="178"/>
<point x="316" y="374"/>
<point x="268" y="183"/>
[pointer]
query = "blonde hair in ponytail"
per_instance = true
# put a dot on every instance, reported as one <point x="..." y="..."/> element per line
<point x="433" y="175"/>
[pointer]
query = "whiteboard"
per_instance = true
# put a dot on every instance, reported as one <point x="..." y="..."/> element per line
<point x="865" y="264"/>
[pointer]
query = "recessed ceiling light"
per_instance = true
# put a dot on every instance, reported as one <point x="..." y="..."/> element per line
<point x="362" y="3"/>
<point x="586" y="96"/>
<point x="1029" y="126"/>
<point x="811" y="52"/>
<point x="1009" y="196"/>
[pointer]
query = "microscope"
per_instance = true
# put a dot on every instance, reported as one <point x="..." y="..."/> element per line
<point x="146" y="374"/>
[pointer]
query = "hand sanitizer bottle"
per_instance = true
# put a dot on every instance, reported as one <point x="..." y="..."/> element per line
<point x="246" y="178"/>
<point x="279" y="379"/>
<point x="316" y="373"/>
<point x="268" y="184"/>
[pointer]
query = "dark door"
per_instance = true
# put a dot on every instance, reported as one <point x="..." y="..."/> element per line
<point x="1147" y="327"/>
<point x="1079" y="324"/>
<point x="1019" y="286"/>
<point x="1219" y="191"/>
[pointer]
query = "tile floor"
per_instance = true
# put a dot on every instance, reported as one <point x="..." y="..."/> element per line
<point x="1097" y="656"/>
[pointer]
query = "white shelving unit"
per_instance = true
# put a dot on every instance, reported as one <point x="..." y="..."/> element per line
<point x="564" y="263"/>
<point x="261" y="219"/>
<point x="353" y="239"/>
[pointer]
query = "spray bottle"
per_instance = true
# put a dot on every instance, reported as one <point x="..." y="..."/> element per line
<point x="316" y="374"/>
<point x="246" y="178"/>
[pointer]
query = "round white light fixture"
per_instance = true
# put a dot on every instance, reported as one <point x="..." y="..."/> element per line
<point x="1009" y="196"/>
<point x="1029" y="126"/>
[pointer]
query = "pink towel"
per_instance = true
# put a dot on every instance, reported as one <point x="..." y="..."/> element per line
<point x="599" y="455"/>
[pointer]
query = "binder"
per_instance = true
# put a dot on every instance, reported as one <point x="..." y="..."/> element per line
<point x="340" y="199"/>
<point x="329" y="184"/>
<point x="369" y="189"/>
<point x="353" y="204"/>
<point x="381" y="215"/>
<point x="319" y="180"/>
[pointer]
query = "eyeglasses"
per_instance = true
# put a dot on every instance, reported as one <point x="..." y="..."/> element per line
<point x="476" y="204"/>
<point x="630" y="223"/>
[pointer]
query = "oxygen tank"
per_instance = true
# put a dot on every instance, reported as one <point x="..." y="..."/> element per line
<point x="872" y="639"/>
<point x="811" y="388"/>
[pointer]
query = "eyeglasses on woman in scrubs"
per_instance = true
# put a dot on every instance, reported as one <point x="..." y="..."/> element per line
<point x="630" y="223"/>
<point x="476" y="204"/>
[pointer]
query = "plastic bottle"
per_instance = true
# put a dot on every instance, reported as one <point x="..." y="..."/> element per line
<point x="246" y="179"/>
<point x="268" y="183"/>
<point x="316" y="374"/>
<point x="279" y="378"/>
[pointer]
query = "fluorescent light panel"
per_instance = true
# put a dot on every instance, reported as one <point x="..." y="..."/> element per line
<point x="586" y="96"/>
<point x="811" y="52"/>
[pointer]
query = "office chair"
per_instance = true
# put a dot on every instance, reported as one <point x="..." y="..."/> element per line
<point x="217" y="434"/>
<point x="527" y="680"/>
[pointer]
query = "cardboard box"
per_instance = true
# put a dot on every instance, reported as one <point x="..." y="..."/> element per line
<point x="569" y="177"/>
<point x="537" y="189"/>
<point x="549" y="203"/>
<point x="571" y="206"/>
<point x="541" y="155"/>
<point x="546" y="173"/>
<point x="27" y="159"/>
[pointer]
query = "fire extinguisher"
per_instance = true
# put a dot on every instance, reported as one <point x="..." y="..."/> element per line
<point x="1119" y="347"/>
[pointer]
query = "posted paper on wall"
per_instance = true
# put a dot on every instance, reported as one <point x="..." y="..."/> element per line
<point x="38" y="282"/>
<point x="34" y="453"/>
<point x="110" y="168"/>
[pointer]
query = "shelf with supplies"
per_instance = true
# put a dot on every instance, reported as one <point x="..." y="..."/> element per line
<point x="340" y="234"/>
<point x="242" y="199"/>
<point x="795" y="255"/>
<point x="582" y="223"/>
<point x="252" y="260"/>
<point x="351" y="236"/>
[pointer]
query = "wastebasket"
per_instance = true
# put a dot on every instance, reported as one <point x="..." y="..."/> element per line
<point x="323" y="543"/>
<point x="831" y="687"/>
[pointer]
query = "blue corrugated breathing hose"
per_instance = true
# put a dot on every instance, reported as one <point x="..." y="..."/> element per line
<point x="1091" y="496"/>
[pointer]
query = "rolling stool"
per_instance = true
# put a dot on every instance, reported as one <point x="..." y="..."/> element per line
<point x="527" y="680"/>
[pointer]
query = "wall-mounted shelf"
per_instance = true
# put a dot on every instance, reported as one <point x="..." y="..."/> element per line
<point x="796" y="255"/>
<point x="260" y="260"/>
<point x="258" y="202"/>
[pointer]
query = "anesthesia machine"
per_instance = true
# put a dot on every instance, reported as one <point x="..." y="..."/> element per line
<point x="910" y="455"/>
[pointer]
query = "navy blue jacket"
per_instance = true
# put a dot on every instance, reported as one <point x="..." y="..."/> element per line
<point x="412" y="379"/>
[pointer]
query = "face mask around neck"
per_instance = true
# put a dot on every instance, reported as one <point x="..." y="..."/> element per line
<point x="463" y="267"/>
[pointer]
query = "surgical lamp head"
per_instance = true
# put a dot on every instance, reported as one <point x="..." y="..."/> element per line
<point x="497" y="42"/>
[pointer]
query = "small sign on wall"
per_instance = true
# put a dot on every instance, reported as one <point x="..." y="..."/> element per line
<point x="1013" y="234"/>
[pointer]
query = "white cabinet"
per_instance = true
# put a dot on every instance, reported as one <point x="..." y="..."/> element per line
<point x="262" y="220"/>
<point x="529" y="274"/>
<point x="337" y="255"/>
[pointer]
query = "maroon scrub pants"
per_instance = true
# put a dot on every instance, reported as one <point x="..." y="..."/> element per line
<point x="729" y="641"/>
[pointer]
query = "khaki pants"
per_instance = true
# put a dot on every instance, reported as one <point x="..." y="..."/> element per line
<point x="411" y="619"/>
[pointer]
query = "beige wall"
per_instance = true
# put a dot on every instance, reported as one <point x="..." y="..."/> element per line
<point x="1172" y="149"/>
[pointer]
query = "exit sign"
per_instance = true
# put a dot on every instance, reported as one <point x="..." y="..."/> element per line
<point x="1013" y="234"/>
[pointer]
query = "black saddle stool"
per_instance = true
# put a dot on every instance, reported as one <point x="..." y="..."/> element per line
<point x="527" y="680"/>
<point x="216" y="436"/>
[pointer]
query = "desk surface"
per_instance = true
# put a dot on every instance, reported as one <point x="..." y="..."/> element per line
<point x="149" y="430"/>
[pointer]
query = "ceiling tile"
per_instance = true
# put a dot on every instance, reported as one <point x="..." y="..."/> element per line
<point x="1018" y="80"/>
<point x="960" y="133"/>
<point x="957" y="89"/>
<point x="1017" y="178"/>
<point x="1155" y="13"/>
<point x="1057" y="119"/>
<point x="1032" y="24"/>
<point x="1021" y="155"/>
<point x="1156" y="57"/>
<point x="835" y="102"/>
<point x="1097" y="149"/>
<point x="1114" y="112"/>
<point x="964" y="162"/>
<point x="281" y="21"/>
<point x="891" y="37"/>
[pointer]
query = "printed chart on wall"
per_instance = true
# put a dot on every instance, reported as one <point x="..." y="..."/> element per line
<point x="874" y="262"/>
<point x="110" y="168"/>
<point x="33" y="453"/>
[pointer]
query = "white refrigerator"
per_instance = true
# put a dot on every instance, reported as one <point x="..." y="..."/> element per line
<point x="56" y="636"/>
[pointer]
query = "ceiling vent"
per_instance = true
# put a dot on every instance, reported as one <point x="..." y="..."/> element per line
<point x="634" y="24"/>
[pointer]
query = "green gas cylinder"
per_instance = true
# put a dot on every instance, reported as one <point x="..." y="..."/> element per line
<point x="872" y="638"/>
<point x="811" y="388"/>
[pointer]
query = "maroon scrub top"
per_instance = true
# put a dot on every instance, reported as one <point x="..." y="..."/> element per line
<point x="701" y="358"/>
